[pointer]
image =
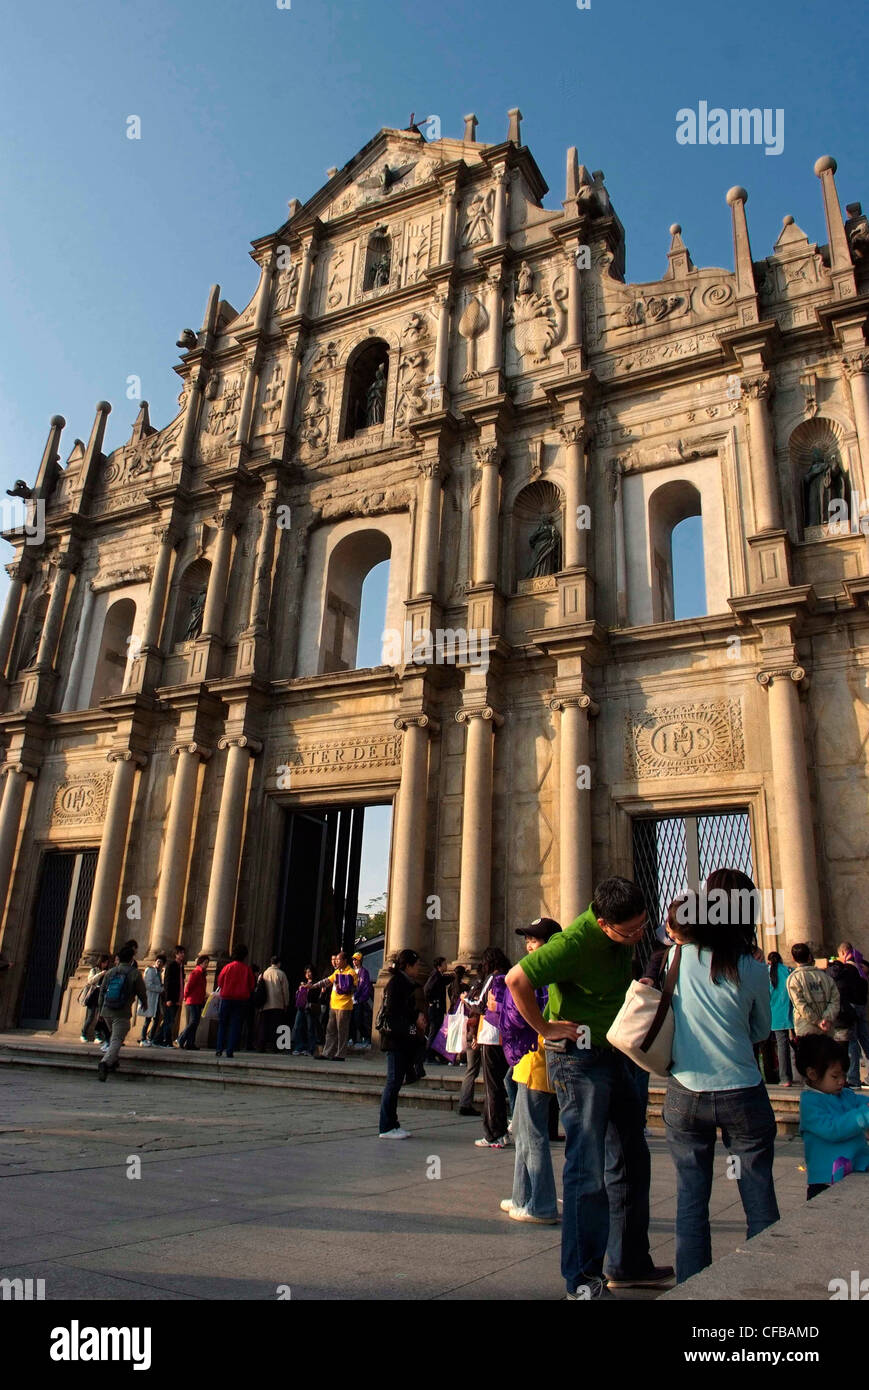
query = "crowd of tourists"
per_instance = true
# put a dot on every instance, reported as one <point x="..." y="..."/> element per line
<point x="538" y="1029"/>
<point x="252" y="1010"/>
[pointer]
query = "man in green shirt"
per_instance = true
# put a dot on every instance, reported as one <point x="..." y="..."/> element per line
<point x="607" y="1169"/>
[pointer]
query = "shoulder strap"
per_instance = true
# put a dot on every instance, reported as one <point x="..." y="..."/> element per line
<point x="666" y="1000"/>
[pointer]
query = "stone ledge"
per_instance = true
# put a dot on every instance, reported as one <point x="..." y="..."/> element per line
<point x="797" y="1258"/>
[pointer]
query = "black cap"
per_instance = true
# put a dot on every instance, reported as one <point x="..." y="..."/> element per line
<point x="541" y="929"/>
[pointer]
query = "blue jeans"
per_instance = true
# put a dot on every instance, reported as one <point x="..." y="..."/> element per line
<point x="194" y="1014"/>
<point x="510" y="1087"/>
<point x="304" y="1037"/>
<point x="397" y="1063"/>
<point x="232" y="1014"/>
<point x="360" y="1023"/>
<point x="747" y="1127"/>
<point x="533" y="1178"/>
<point x="860" y="1039"/>
<point x="164" y="1037"/>
<point x="607" y="1168"/>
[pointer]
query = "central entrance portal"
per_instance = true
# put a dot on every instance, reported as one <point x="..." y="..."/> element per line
<point x="332" y="858"/>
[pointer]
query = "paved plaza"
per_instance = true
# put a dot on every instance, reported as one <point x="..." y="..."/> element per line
<point x="244" y="1190"/>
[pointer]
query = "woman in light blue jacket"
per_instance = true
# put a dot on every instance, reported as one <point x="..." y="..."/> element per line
<point x="782" y="1011"/>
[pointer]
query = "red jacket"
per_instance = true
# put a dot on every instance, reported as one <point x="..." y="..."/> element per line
<point x="236" y="981"/>
<point x="195" y="989"/>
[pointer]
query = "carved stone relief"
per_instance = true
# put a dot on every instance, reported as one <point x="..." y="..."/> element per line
<point x="685" y="740"/>
<point x="533" y="317"/>
<point x="82" y="800"/>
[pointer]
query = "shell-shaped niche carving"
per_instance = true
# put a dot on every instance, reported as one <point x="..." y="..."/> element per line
<point x="819" y="433"/>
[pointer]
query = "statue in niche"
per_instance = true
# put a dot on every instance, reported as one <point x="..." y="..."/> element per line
<point x="194" y="622"/>
<point x="288" y="283"/>
<point x="525" y="280"/>
<point x="545" y="543"/>
<point x="381" y="273"/>
<point x="478" y="226"/>
<point x="375" y="398"/>
<point x="824" y="482"/>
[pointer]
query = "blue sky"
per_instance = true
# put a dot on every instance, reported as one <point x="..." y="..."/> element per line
<point x="108" y="245"/>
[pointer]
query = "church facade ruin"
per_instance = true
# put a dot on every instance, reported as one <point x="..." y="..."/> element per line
<point x="437" y="371"/>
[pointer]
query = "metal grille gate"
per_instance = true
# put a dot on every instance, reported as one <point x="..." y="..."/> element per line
<point x="674" y="853"/>
<point x="60" y="922"/>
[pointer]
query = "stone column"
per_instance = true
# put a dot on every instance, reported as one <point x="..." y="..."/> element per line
<point x="113" y="846"/>
<point x="196" y="383"/>
<point x="227" y="845"/>
<point x="309" y="255"/>
<point x="574" y="796"/>
<point x="11" y="609"/>
<point x="215" y="600"/>
<point x="159" y="585"/>
<point x="575" y="540"/>
<point x="265" y="554"/>
<point x="247" y="397"/>
<point x="486" y="566"/>
<point x="496" y="319"/>
<point x="407" y="903"/>
<point x="448" y="227"/>
<point x="798" y="865"/>
<point x="442" y="349"/>
<point x="475" y="892"/>
<point x="176" y="849"/>
<point x="54" y="615"/>
<point x="429" y="528"/>
<point x="294" y="344"/>
<point x="574" y="299"/>
<point x="72" y="693"/>
<point x="767" y="499"/>
<point x="621" y="554"/>
<point x="499" y="218"/>
<point x="15" y="777"/>
<point x="856" y="367"/>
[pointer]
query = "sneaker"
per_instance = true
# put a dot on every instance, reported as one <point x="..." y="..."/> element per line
<point x="522" y="1214"/>
<point x="656" y="1278"/>
<point x="469" y="1110"/>
<point x="590" y="1289"/>
<point x="104" y="1047"/>
<point x="510" y="1127"/>
<point x="84" y="1039"/>
<point x="218" y="1054"/>
<point x="507" y="1204"/>
<point x="395" y="1134"/>
<point x="491" y="1143"/>
<point x="102" y="1071"/>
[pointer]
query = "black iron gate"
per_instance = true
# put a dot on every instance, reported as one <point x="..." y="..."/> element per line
<point x="674" y="853"/>
<point x="60" y="922"/>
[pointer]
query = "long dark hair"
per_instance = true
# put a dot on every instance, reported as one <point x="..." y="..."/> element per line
<point x="404" y="960"/>
<point x="774" y="960"/>
<point x="493" y="962"/>
<point x="733" y="935"/>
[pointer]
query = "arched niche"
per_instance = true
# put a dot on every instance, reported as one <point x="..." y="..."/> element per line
<point x="538" y="532"/>
<point x="820" y="476"/>
<point x="365" y="386"/>
<point x="378" y="261"/>
<point x="114" y="651"/>
<point x="190" y="601"/>
<point x="670" y="505"/>
<point x="350" y="563"/>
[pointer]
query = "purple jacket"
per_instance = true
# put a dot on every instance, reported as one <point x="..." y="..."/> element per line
<point x="363" y="986"/>
<point x="517" y="1036"/>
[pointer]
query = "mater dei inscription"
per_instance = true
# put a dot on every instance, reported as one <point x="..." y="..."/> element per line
<point x="686" y="739"/>
<point x="339" y="758"/>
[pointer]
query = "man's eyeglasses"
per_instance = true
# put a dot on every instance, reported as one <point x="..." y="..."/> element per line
<point x="629" y="935"/>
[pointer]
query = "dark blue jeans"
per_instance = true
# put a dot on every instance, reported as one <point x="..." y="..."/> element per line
<point x="232" y="1014"/>
<point x="164" y="1037"/>
<point x="607" y="1168"/>
<point x="304" y="1038"/>
<point x="397" y="1063"/>
<point x="747" y="1127"/>
<point x="194" y="1014"/>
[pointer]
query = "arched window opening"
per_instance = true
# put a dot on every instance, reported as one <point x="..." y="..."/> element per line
<point x="537" y="522"/>
<point x="678" y="576"/>
<point x="350" y="617"/>
<point x="378" y="260"/>
<point x="191" y="602"/>
<point x="114" y="652"/>
<point x="367" y="376"/>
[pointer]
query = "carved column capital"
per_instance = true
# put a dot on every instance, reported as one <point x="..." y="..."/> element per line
<point x="420" y="721"/>
<point x="432" y="468"/>
<point x="795" y="673"/>
<point x="583" y="702"/>
<point x="65" y="560"/>
<point x="196" y="748"/>
<point x="126" y="755"/>
<point x="856" y="364"/>
<point x="485" y="712"/>
<point x="488" y="456"/>
<point x="495" y="278"/>
<point x="240" y="741"/>
<point x="168" y="534"/>
<point x="28" y="769"/>
<point x="573" y="433"/>
<point x="758" y="388"/>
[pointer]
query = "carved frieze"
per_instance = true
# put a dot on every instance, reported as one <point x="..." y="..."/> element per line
<point x="82" y="800"/>
<point x="339" y="760"/>
<point x="685" y="740"/>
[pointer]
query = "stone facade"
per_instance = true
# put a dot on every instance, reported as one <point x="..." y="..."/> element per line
<point x="437" y="370"/>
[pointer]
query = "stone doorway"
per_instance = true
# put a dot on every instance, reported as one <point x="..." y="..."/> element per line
<point x="319" y="885"/>
<point x="63" y="899"/>
<point x="674" y="853"/>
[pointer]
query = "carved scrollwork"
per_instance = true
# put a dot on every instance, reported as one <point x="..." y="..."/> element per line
<point x="484" y="712"/>
<point x="240" y="741"/>
<point x="795" y="673"/>
<point x="193" y="748"/>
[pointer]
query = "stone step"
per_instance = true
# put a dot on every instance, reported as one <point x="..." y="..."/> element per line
<point x="359" y="1079"/>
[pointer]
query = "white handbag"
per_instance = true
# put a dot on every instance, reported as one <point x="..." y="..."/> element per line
<point x="456" y="1030"/>
<point x="644" y="1026"/>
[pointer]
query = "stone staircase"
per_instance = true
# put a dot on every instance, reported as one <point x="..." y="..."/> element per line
<point x="358" y="1080"/>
